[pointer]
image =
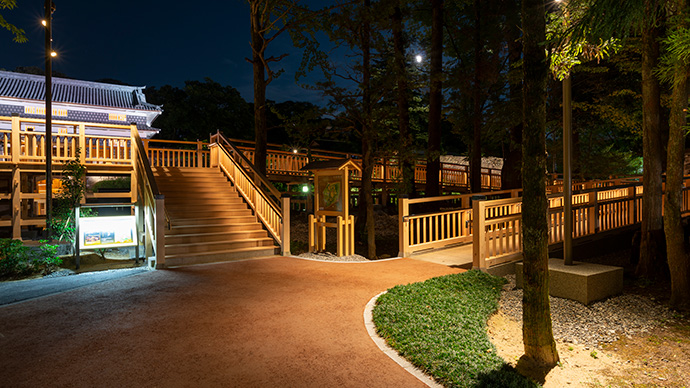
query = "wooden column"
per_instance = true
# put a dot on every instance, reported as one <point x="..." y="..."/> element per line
<point x="631" y="206"/>
<point x="285" y="231"/>
<point x="478" y="235"/>
<point x="160" y="231"/>
<point x="15" y="149"/>
<point x="82" y="143"/>
<point x="403" y="226"/>
<point x="16" y="203"/>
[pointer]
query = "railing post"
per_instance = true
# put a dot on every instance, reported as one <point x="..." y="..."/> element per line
<point x="160" y="231"/>
<point x="285" y="231"/>
<point x="15" y="150"/>
<point x="403" y="225"/>
<point x="16" y="143"/>
<point x="631" y="205"/>
<point x="16" y="203"/>
<point x="592" y="212"/>
<point x="214" y="154"/>
<point x="199" y="146"/>
<point x="82" y="143"/>
<point x="478" y="234"/>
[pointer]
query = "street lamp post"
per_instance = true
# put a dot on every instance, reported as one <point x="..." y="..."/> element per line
<point x="48" y="21"/>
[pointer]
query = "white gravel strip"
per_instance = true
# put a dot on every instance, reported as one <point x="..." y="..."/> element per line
<point x="601" y="322"/>
<point x="327" y="256"/>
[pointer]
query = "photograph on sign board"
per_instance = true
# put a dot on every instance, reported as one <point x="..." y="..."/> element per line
<point x="107" y="232"/>
<point x="330" y="198"/>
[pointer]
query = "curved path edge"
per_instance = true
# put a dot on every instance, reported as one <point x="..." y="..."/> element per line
<point x="390" y="352"/>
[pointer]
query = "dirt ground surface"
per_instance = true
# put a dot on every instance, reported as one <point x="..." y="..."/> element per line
<point x="256" y="323"/>
<point x="660" y="358"/>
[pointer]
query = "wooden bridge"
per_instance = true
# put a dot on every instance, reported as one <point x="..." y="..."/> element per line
<point x="491" y="223"/>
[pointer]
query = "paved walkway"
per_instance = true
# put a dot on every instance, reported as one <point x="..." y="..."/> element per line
<point x="459" y="256"/>
<point x="260" y="323"/>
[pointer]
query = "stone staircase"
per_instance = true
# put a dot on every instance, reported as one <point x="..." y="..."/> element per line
<point x="210" y="222"/>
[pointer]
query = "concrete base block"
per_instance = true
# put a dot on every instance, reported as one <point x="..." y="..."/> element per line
<point x="583" y="282"/>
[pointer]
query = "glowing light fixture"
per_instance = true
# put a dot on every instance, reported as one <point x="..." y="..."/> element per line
<point x="294" y="151"/>
<point x="418" y="58"/>
<point x="45" y="24"/>
<point x="305" y="189"/>
<point x="53" y="54"/>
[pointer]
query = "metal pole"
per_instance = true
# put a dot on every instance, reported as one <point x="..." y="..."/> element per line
<point x="567" y="175"/>
<point x="49" y="114"/>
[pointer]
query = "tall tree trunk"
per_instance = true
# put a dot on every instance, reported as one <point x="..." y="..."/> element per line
<point x="511" y="173"/>
<point x="652" y="238"/>
<point x="536" y="328"/>
<point x="433" y="164"/>
<point x="368" y="135"/>
<point x="677" y="256"/>
<point x="476" y="149"/>
<point x="260" y="128"/>
<point x="406" y="156"/>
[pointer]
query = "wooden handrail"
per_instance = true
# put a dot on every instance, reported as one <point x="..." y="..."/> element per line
<point x="221" y="140"/>
<point x="156" y="218"/>
<point x="265" y="201"/>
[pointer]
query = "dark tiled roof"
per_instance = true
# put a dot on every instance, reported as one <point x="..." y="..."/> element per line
<point x="32" y="87"/>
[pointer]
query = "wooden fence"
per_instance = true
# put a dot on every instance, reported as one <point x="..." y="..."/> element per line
<point x="494" y="226"/>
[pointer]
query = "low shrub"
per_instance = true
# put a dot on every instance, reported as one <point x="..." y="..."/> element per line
<point x="17" y="260"/>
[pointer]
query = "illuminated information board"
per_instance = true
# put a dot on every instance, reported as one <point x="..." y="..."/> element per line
<point x="107" y="232"/>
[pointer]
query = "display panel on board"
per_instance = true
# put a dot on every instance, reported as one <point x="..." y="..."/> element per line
<point x="107" y="232"/>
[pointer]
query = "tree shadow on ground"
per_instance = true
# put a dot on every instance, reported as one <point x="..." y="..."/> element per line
<point x="505" y="377"/>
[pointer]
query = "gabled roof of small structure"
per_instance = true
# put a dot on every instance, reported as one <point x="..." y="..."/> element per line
<point x="32" y="87"/>
<point x="334" y="164"/>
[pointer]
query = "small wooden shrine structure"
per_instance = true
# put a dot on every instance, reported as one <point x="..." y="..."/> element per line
<point x="332" y="199"/>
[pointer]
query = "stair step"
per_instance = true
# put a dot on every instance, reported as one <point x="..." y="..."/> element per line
<point x="219" y="228"/>
<point x="209" y="219"/>
<point x="206" y="195"/>
<point x="203" y="247"/>
<point x="211" y="237"/>
<point x="225" y="220"/>
<point x="220" y="256"/>
<point x="209" y="213"/>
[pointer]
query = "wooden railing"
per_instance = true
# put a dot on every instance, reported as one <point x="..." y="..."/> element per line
<point x="152" y="219"/>
<point x="420" y="229"/>
<point x="172" y="153"/>
<point x="20" y="142"/>
<point x="282" y="162"/>
<point x="494" y="226"/>
<point x="22" y="149"/>
<point x="266" y="202"/>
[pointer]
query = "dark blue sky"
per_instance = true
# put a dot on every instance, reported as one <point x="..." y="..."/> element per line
<point x="149" y="42"/>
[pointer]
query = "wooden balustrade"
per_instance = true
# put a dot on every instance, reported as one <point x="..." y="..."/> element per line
<point x="496" y="231"/>
<point x="427" y="230"/>
<point x="260" y="194"/>
<point x="175" y="153"/>
<point x="152" y="219"/>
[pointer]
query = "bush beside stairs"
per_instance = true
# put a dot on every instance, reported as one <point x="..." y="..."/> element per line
<point x="210" y="222"/>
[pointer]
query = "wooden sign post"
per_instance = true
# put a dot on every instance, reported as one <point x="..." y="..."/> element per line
<point x="332" y="199"/>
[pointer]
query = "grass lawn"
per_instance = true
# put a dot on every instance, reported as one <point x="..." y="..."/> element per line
<point x="440" y="326"/>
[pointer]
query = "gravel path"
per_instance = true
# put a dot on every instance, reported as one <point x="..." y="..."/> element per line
<point x="327" y="256"/>
<point x="601" y="322"/>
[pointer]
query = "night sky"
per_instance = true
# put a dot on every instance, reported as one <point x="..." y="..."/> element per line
<point x="149" y="43"/>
